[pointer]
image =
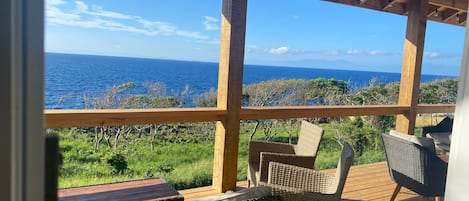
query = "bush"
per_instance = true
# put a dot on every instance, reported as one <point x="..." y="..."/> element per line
<point x="118" y="163"/>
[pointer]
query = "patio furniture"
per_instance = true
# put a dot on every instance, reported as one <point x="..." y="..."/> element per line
<point x="415" y="166"/>
<point x="298" y="183"/>
<point x="441" y="134"/>
<point x="302" y="154"/>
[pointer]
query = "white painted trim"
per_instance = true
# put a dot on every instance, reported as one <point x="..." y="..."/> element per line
<point x="458" y="169"/>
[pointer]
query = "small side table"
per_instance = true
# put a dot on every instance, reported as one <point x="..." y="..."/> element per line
<point x="147" y="189"/>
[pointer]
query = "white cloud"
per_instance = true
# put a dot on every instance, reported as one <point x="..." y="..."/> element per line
<point x="210" y="23"/>
<point x="80" y="7"/>
<point x="96" y="17"/>
<point x="432" y="54"/>
<point x="194" y="35"/>
<point x="376" y="52"/>
<point x="353" y="52"/>
<point x="279" y="51"/>
<point x="99" y="11"/>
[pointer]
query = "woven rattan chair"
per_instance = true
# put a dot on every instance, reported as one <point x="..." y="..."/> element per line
<point x="415" y="167"/>
<point x="441" y="134"/>
<point x="302" y="154"/>
<point x="297" y="183"/>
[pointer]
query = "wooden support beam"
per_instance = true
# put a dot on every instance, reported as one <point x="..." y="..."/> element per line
<point x="435" y="108"/>
<point x="412" y="64"/>
<point x="460" y="5"/>
<point x="449" y="15"/>
<point x="113" y="117"/>
<point x="396" y="7"/>
<point x="432" y="10"/>
<point x="230" y="83"/>
<point x="462" y="18"/>
<point x="256" y="113"/>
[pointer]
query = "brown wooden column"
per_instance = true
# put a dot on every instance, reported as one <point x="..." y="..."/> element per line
<point x="412" y="64"/>
<point x="230" y="83"/>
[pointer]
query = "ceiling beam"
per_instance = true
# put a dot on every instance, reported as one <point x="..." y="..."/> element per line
<point x="449" y="15"/>
<point x="460" y="5"/>
<point x="432" y="10"/>
<point x="462" y="19"/>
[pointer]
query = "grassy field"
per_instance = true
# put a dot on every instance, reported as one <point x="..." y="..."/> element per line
<point x="184" y="164"/>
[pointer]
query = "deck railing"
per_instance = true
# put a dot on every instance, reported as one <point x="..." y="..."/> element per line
<point x="88" y="118"/>
<point x="109" y="117"/>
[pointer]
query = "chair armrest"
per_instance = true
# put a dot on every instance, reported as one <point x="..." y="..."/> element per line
<point x="267" y="157"/>
<point x="256" y="147"/>
<point x="290" y="177"/>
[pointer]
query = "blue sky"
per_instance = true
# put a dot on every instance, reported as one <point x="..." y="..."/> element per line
<point x="300" y="33"/>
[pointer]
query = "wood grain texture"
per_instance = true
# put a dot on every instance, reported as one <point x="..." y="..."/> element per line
<point x="449" y="11"/>
<point x="148" y="189"/>
<point x="230" y="84"/>
<point x="109" y="117"/>
<point x="436" y="108"/>
<point x="412" y="64"/>
<point x="364" y="182"/>
<point x="89" y="118"/>
<point x="319" y="111"/>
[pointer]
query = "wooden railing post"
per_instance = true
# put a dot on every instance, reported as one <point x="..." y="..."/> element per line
<point x="230" y="83"/>
<point x="412" y="64"/>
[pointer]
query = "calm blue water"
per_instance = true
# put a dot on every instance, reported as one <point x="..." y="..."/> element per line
<point x="71" y="77"/>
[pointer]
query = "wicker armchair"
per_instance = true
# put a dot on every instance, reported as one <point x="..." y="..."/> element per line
<point x="297" y="183"/>
<point x="302" y="154"/>
<point x="441" y="134"/>
<point x="415" y="167"/>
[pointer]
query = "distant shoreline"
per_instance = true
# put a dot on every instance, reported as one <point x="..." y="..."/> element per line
<point x="245" y="65"/>
<point x="70" y="77"/>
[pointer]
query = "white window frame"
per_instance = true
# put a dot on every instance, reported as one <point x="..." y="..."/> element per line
<point x="21" y="100"/>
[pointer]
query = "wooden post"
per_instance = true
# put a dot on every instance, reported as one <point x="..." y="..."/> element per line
<point x="412" y="64"/>
<point x="230" y="83"/>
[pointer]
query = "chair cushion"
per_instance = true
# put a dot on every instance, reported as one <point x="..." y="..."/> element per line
<point x="426" y="143"/>
<point x="254" y="193"/>
<point x="442" y="140"/>
<point x="440" y="137"/>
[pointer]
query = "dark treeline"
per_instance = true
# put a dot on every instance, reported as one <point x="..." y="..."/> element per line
<point x="294" y="92"/>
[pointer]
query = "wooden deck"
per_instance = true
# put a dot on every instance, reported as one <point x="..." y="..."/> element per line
<point x="365" y="182"/>
<point x="147" y="189"/>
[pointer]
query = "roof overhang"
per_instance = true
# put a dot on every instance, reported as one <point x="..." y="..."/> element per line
<point x="445" y="11"/>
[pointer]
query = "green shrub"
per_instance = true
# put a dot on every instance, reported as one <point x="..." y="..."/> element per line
<point x="118" y="163"/>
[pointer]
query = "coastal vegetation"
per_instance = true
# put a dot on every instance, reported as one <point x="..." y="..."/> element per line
<point x="183" y="153"/>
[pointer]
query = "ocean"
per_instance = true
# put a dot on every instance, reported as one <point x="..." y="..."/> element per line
<point x="70" y="77"/>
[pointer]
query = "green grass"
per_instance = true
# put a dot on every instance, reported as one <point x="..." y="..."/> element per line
<point x="184" y="164"/>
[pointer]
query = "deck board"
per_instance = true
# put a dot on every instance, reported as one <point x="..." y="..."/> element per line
<point x="365" y="182"/>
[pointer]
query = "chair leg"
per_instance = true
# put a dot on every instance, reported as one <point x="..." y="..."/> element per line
<point x="396" y="191"/>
